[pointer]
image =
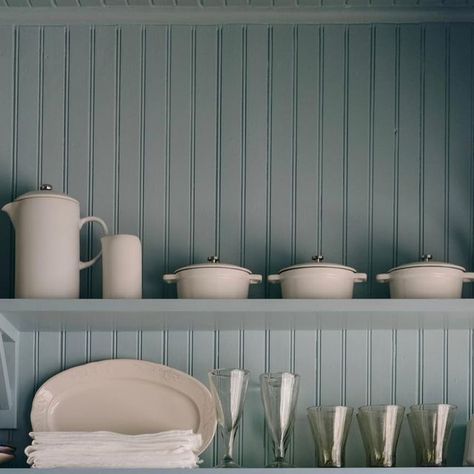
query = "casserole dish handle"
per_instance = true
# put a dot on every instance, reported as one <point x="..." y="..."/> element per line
<point x="382" y="277"/>
<point x="170" y="278"/>
<point x="254" y="279"/>
<point x="273" y="278"/>
<point x="468" y="276"/>
<point x="360" y="277"/>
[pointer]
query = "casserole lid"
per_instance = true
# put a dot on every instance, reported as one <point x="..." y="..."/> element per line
<point x="318" y="263"/>
<point x="426" y="260"/>
<point x="213" y="262"/>
<point x="46" y="190"/>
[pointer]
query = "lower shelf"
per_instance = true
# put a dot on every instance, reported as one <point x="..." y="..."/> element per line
<point x="393" y="470"/>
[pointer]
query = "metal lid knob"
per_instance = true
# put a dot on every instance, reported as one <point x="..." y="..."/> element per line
<point x="46" y="187"/>
<point x="317" y="258"/>
<point x="213" y="259"/>
<point x="426" y="257"/>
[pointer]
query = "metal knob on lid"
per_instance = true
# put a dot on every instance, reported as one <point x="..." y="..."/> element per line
<point x="46" y="187"/>
<point x="317" y="258"/>
<point x="213" y="259"/>
<point x="426" y="257"/>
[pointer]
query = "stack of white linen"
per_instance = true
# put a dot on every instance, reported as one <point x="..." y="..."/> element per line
<point x="105" y="449"/>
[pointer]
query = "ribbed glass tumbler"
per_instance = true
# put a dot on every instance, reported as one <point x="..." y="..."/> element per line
<point x="330" y="427"/>
<point x="431" y="427"/>
<point x="279" y="396"/>
<point x="228" y="388"/>
<point x="380" y="428"/>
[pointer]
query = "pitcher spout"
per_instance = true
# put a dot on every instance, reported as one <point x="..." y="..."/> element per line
<point x="11" y="210"/>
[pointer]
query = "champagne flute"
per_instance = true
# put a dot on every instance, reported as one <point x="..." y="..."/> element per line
<point x="228" y="388"/>
<point x="279" y="396"/>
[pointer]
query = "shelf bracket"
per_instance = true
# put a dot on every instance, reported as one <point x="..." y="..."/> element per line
<point x="9" y="339"/>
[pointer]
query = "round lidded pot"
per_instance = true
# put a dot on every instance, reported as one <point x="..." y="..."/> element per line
<point x="426" y="279"/>
<point x="213" y="280"/>
<point x="318" y="280"/>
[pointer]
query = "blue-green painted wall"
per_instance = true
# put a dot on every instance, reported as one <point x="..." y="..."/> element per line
<point x="264" y="144"/>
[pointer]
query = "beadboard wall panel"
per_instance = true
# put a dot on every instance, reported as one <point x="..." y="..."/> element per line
<point x="355" y="368"/>
<point x="265" y="145"/>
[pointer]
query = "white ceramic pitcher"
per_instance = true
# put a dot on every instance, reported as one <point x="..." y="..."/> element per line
<point x="47" y="246"/>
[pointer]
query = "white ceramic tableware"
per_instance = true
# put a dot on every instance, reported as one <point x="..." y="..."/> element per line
<point x="426" y="279"/>
<point x="124" y="396"/>
<point x="47" y="225"/>
<point x="213" y="280"/>
<point x="121" y="266"/>
<point x="317" y="279"/>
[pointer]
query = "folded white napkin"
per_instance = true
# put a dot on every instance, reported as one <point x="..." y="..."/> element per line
<point x="168" y="449"/>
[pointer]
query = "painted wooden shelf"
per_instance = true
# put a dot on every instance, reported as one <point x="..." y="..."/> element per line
<point x="393" y="470"/>
<point x="253" y="314"/>
<point x="207" y="12"/>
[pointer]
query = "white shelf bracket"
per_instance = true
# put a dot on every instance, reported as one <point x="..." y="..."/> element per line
<point x="8" y="374"/>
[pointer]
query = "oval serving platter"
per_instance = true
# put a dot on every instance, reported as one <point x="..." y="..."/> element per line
<point x="124" y="396"/>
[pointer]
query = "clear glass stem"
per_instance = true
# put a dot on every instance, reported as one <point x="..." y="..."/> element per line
<point x="279" y="450"/>
<point x="229" y="437"/>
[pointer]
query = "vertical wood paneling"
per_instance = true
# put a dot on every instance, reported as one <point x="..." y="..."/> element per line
<point x="129" y="159"/>
<point x="52" y="94"/>
<point x="202" y="362"/>
<point x="383" y="145"/>
<point x="8" y="143"/>
<point x="152" y="346"/>
<point x="28" y="83"/>
<point x="435" y="171"/>
<point x="205" y="87"/>
<point x="256" y="140"/>
<point x="48" y="355"/>
<point x="330" y="382"/>
<point x="332" y="143"/>
<point x="100" y="345"/>
<point x="180" y="162"/>
<point x="381" y="374"/>
<point x="105" y="43"/>
<point x="357" y="150"/>
<point x="268" y="144"/>
<point x="306" y="140"/>
<point x="433" y="366"/>
<point x="78" y="127"/>
<point x="458" y="147"/>
<point x="408" y="144"/>
<point x="154" y="155"/>
<point x="75" y="347"/>
<point x="281" y="149"/>
<point x="232" y="152"/>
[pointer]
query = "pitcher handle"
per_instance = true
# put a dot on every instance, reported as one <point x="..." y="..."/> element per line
<point x="83" y="221"/>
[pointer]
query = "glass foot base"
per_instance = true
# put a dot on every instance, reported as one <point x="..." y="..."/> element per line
<point x="279" y="463"/>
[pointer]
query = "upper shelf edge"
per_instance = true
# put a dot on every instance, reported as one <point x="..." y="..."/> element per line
<point x="251" y="314"/>
<point x="197" y="14"/>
